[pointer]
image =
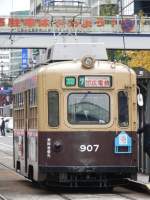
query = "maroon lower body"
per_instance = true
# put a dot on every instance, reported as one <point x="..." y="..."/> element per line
<point x="85" y="157"/>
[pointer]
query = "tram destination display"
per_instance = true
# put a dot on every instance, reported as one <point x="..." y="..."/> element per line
<point x="95" y="81"/>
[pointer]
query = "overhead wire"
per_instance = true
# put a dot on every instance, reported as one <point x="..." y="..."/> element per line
<point x="123" y="33"/>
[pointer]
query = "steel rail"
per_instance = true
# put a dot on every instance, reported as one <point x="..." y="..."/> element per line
<point x="2" y="197"/>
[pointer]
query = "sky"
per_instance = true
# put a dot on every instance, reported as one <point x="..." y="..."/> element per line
<point x="7" y="6"/>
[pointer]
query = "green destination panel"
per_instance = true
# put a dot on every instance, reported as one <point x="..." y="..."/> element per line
<point x="70" y="81"/>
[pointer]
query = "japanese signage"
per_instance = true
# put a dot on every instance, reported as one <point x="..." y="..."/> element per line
<point x="95" y="81"/>
<point x="81" y="24"/>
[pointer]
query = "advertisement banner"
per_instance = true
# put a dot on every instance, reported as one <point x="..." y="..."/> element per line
<point x="24" y="58"/>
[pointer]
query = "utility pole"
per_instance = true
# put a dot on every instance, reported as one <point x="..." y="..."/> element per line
<point x="2" y="68"/>
<point x="35" y="4"/>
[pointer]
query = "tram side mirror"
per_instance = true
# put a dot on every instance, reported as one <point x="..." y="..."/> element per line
<point x="140" y="99"/>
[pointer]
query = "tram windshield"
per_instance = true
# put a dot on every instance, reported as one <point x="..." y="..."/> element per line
<point x="88" y="108"/>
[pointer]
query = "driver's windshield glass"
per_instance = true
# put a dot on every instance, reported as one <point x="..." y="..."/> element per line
<point x="88" y="108"/>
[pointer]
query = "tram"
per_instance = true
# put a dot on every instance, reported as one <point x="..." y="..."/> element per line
<point x="75" y="119"/>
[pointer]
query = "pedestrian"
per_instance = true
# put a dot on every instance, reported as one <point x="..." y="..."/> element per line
<point x="146" y="133"/>
<point x="3" y="127"/>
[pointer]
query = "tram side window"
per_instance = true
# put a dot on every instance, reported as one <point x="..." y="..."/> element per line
<point x="123" y="111"/>
<point x="32" y="108"/>
<point x="32" y="97"/>
<point x="53" y="108"/>
<point x="18" y="113"/>
<point x="18" y="100"/>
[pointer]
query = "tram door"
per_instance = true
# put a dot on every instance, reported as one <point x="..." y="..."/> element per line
<point x="26" y="128"/>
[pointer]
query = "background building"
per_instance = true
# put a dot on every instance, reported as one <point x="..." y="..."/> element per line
<point x="59" y="8"/>
<point x="111" y="7"/>
<point x="56" y="9"/>
<point x="16" y="59"/>
<point x="5" y="88"/>
<point x="36" y="6"/>
<point x="4" y="64"/>
<point x="131" y="7"/>
<point x="103" y="7"/>
<point x="142" y="5"/>
<point x="127" y="7"/>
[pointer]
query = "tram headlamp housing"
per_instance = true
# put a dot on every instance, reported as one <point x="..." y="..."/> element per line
<point x="88" y="62"/>
<point x="57" y="146"/>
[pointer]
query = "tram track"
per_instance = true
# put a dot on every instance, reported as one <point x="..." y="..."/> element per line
<point x="114" y="195"/>
<point x="121" y="193"/>
<point x="2" y="164"/>
<point x="68" y="196"/>
<point x="126" y="197"/>
<point x="2" y="197"/>
<point x="8" y="167"/>
<point x="65" y="197"/>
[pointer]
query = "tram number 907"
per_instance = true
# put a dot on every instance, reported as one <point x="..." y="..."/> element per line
<point x="89" y="148"/>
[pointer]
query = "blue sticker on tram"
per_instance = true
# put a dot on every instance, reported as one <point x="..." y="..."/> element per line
<point x="123" y="143"/>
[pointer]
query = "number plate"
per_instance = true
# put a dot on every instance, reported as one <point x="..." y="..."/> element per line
<point x="89" y="148"/>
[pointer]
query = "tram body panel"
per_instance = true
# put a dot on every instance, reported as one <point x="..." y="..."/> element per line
<point x="73" y="145"/>
<point x="83" y="149"/>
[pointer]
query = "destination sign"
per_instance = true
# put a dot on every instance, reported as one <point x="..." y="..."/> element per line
<point x="95" y="81"/>
<point x="70" y="81"/>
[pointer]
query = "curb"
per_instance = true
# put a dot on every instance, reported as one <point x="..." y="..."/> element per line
<point x="139" y="186"/>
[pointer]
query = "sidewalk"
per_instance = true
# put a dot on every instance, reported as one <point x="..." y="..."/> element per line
<point x="7" y="134"/>
<point x="143" y="178"/>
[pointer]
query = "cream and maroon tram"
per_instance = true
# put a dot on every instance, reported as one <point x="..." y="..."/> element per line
<point x="75" y="123"/>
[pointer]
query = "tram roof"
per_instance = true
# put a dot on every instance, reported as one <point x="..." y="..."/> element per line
<point x="71" y="68"/>
<point x="75" y="67"/>
<point x="59" y="53"/>
<point x="74" y="51"/>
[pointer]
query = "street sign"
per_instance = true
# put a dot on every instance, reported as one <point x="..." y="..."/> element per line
<point x="47" y="2"/>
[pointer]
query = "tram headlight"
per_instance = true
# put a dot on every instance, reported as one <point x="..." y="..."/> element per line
<point x="57" y="146"/>
<point x="88" y="62"/>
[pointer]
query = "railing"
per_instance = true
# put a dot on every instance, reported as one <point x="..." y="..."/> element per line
<point x="64" y="3"/>
<point x="71" y="9"/>
<point x="101" y="24"/>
